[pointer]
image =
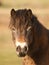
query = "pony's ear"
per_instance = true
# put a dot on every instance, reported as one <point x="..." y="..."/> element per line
<point x="29" y="12"/>
<point x="13" y="13"/>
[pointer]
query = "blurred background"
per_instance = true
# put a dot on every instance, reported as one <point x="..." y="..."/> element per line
<point x="7" y="50"/>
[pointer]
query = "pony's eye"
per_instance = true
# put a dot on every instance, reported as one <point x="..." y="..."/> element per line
<point x="13" y="29"/>
<point x="28" y="28"/>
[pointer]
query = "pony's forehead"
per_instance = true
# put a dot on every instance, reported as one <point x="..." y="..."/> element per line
<point x="22" y="21"/>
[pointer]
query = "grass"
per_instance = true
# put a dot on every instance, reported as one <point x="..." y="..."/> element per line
<point x="8" y="57"/>
<point x="7" y="51"/>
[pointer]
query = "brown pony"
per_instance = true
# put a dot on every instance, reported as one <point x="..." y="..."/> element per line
<point x="30" y="37"/>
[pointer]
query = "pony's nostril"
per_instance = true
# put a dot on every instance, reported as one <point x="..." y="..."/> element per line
<point x="18" y="49"/>
<point x="25" y="48"/>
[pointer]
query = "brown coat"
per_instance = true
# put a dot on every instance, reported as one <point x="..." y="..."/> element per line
<point x="38" y="39"/>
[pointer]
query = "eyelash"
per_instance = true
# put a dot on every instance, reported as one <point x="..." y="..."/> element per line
<point x="13" y="28"/>
<point x="28" y="28"/>
<point x="27" y="31"/>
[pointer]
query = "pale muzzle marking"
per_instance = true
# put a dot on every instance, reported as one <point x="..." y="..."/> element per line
<point x="23" y="44"/>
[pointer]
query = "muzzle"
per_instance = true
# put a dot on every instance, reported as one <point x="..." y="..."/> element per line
<point x="21" y="47"/>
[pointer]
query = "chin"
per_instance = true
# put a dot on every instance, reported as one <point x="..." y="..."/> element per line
<point x="21" y="55"/>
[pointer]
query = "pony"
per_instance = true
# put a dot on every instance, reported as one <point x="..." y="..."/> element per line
<point x="30" y="37"/>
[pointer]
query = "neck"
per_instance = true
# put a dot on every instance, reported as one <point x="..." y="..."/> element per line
<point x="27" y="60"/>
<point x="35" y="54"/>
